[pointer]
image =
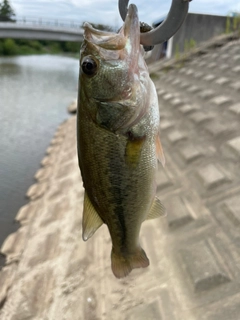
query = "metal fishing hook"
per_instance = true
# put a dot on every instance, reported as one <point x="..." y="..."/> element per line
<point x="165" y="30"/>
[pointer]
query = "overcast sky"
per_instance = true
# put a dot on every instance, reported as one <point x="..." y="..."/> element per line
<point x="106" y="11"/>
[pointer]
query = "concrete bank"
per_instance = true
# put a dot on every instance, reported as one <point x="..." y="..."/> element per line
<point x="43" y="224"/>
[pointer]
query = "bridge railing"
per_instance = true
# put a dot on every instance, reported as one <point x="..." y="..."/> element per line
<point x="44" y="22"/>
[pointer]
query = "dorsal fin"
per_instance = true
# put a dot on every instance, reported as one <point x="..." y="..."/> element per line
<point x="91" y="220"/>
<point x="157" y="210"/>
<point x="159" y="151"/>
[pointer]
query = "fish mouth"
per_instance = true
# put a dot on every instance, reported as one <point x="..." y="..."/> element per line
<point x="131" y="26"/>
<point x="128" y="37"/>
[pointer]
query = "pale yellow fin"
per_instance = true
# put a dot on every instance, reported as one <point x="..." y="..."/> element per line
<point x="133" y="151"/>
<point x="157" y="210"/>
<point x="159" y="151"/>
<point x="91" y="220"/>
<point x="123" y="265"/>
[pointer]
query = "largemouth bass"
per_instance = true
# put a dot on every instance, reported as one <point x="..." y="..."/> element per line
<point x="118" y="140"/>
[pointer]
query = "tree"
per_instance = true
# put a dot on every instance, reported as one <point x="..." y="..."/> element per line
<point x="6" y="11"/>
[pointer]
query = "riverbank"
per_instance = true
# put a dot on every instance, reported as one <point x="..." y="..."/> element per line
<point x="45" y="210"/>
<point x="34" y="254"/>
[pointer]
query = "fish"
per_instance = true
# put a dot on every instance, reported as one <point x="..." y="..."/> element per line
<point x="118" y="140"/>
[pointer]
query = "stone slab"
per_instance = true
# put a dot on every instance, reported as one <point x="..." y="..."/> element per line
<point x="193" y="89"/>
<point x="216" y="129"/>
<point x="190" y="153"/>
<point x="231" y="208"/>
<point x="200" y="117"/>
<point x="163" y="180"/>
<point x="176" y="102"/>
<point x="188" y="108"/>
<point x="176" y="136"/>
<point x="37" y="190"/>
<point x="235" y="108"/>
<point x="224" y="66"/>
<point x="168" y="96"/>
<point x="222" y="101"/>
<point x="198" y="74"/>
<point x="236" y="69"/>
<point x="209" y="77"/>
<point x="222" y="80"/>
<point x="211" y="176"/>
<point x="203" y="268"/>
<point x="6" y="280"/>
<point x="234" y="144"/>
<point x="206" y="94"/>
<point x="150" y="311"/>
<point x="235" y="85"/>
<point x="177" y="212"/>
<point x="166" y="124"/>
<point x="212" y="65"/>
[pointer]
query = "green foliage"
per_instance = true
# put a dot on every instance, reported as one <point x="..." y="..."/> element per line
<point x="228" y="25"/>
<point x="6" y="11"/>
<point x="233" y="23"/>
<point x="186" y="47"/>
<point x="35" y="44"/>
<point x="9" y="47"/>
<point x="71" y="46"/>
<point x="177" y="52"/>
<point x="24" y="47"/>
<point x="54" y="47"/>
<point x="189" y="45"/>
<point x="1" y="48"/>
<point x="192" y="44"/>
<point x="236" y="22"/>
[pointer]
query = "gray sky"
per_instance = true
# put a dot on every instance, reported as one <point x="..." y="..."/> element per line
<point x="106" y="11"/>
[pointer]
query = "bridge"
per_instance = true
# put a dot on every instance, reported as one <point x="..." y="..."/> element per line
<point x="42" y="29"/>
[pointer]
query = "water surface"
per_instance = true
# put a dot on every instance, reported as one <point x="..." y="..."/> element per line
<point x="34" y="94"/>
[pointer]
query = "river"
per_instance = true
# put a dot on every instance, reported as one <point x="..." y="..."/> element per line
<point x="34" y="94"/>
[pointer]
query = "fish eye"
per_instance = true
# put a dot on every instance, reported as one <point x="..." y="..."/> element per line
<point x="89" y="66"/>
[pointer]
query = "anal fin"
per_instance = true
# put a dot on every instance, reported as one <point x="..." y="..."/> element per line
<point x="91" y="220"/>
<point x="157" y="210"/>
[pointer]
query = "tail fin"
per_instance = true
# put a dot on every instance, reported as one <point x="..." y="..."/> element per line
<point x="123" y="265"/>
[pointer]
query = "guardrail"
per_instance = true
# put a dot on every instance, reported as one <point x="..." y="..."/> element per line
<point x="44" y="21"/>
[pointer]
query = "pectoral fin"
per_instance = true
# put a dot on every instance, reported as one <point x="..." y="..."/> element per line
<point x="91" y="220"/>
<point x="159" y="151"/>
<point x="157" y="210"/>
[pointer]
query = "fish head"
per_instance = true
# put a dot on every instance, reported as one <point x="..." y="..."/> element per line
<point x="113" y="74"/>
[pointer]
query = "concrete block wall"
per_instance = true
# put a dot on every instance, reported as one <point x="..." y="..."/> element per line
<point x="197" y="27"/>
<point x="200" y="28"/>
